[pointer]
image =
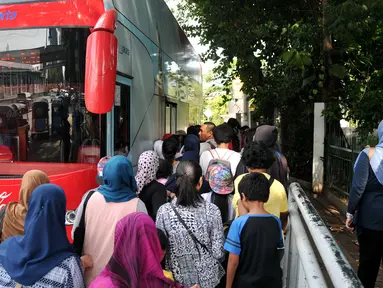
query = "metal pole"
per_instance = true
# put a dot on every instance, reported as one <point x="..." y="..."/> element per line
<point x="110" y="133"/>
<point x="340" y="271"/>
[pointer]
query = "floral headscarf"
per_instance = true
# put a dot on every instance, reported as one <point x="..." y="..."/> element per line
<point x="148" y="164"/>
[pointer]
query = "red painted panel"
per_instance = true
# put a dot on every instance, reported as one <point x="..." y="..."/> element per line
<point x="49" y="14"/>
<point x="75" y="179"/>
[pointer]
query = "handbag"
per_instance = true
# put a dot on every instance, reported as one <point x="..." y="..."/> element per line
<point x="79" y="233"/>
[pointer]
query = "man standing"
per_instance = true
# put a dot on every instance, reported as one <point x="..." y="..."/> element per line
<point x="223" y="134"/>
<point x="206" y="136"/>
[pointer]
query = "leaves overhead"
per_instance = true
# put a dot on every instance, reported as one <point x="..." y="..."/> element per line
<point x="290" y="52"/>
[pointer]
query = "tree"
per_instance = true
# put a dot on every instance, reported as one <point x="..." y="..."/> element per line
<point x="215" y="98"/>
<point x="291" y="54"/>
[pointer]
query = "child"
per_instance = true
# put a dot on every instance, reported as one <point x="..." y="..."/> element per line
<point x="164" y="246"/>
<point x="255" y="241"/>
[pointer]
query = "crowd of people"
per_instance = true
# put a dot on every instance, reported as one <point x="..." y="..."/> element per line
<point x="206" y="208"/>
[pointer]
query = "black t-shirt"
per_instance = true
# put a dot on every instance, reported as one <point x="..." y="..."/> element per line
<point x="258" y="241"/>
<point x="154" y="195"/>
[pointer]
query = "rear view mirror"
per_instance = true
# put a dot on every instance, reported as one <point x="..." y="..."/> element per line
<point x="101" y="65"/>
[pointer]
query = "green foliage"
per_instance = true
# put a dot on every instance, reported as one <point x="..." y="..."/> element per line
<point x="297" y="52"/>
<point x="279" y="50"/>
<point x="216" y="98"/>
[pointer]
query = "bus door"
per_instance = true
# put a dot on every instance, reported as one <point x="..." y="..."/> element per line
<point x="117" y="122"/>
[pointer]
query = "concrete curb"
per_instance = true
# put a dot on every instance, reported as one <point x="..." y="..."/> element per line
<point x="334" y="200"/>
<point x="327" y="193"/>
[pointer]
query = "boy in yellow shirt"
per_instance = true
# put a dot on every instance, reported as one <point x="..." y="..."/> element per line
<point x="258" y="158"/>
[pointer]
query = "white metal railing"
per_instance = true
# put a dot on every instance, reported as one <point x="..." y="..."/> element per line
<point x="301" y="264"/>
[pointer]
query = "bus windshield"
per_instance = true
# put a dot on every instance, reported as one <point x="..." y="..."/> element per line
<point x="42" y="111"/>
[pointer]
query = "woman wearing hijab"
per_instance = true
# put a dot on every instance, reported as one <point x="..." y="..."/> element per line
<point x="136" y="260"/>
<point x="14" y="217"/>
<point x="191" y="148"/>
<point x="151" y="192"/>
<point x="43" y="257"/>
<point x="195" y="231"/>
<point x="365" y="210"/>
<point x="111" y="202"/>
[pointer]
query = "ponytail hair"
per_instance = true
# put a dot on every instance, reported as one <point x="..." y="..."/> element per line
<point x="221" y="201"/>
<point x="188" y="175"/>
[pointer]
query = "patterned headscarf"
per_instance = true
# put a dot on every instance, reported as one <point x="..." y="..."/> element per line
<point x="136" y="260"/>
<point x="148" y="164"/>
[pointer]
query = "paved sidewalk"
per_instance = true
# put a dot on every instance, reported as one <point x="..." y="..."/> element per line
<point x="346" y="240"/>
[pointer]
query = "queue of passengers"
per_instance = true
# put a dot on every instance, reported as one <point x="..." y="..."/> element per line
<point x="206" y="208"/>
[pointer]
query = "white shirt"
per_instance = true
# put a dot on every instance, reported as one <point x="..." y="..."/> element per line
<point x="220" y="153"/>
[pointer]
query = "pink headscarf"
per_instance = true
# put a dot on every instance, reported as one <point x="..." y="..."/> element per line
<point x="136" y="258"/>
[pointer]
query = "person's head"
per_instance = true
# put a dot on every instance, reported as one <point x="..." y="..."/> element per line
<point x="100" y="168"/>
<point x="164" y="242"/>
<point x="234" y="123"/>
<point x="180" y="136"/>
<point x="169" y="149"/>
<point x="136" y="259"/>
<point x="50" y="200"/>
<point x="30" y="181"/>
<point x="206" y="131"/>
<point x="193" y="130"/>
<point x="167" y="136"/>
<point x="192" y="148"/>
<point x="188" y="183"/>
<point x="165" y="170"/>
<point x="223" y="134"/>
<point x="254" y="187"/>
<point x="249" y="136"/>
<point x="192" y="143"/>
<point x="257" y="156"/>
<point x="266" y="134"/>
<point x="119" y="182"/>
<point x="221" y="182"/>
<point x="148" y="164"/>
<point x="47" y="208"/>
<point x="14" y="218"/>
<point x="244" y="129"/>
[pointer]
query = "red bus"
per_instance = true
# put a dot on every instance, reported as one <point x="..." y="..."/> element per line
<point x="81" y="79"/>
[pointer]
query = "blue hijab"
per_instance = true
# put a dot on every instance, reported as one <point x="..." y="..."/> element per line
<point x="376" y="161"/>
<point x="191" y="148"/>
<point x="119" y="183"/>
<point x="44" y="245"/>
